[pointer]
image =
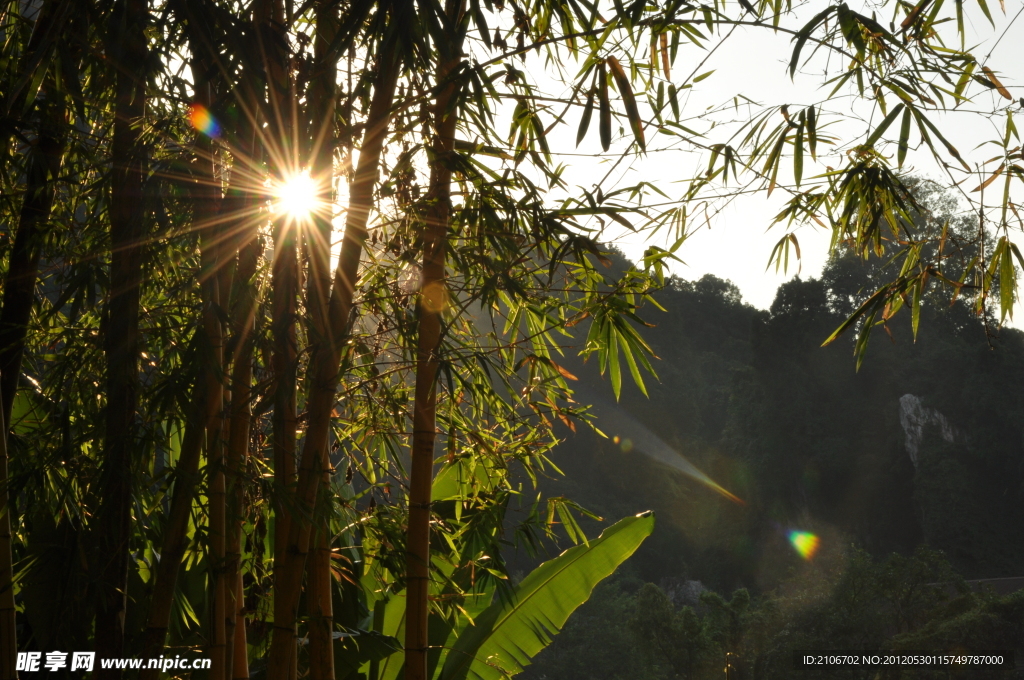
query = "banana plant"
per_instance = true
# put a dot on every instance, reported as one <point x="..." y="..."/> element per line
<point x="496" y="637"/>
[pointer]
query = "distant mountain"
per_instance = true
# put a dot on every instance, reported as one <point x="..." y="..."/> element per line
<point x="752" y="400"/>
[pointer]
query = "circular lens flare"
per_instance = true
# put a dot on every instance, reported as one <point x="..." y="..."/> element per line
<point x="297" y="196"/>
<point x="202" y="120"/>
<point x="805" y="543"/>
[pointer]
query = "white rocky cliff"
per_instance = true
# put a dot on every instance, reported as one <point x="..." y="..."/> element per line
<point x="914" y="417"/>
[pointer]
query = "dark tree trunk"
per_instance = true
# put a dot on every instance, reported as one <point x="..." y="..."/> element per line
<point x="121" y="340"/>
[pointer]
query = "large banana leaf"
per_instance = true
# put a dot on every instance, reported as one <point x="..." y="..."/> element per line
<point x="361" y="648"/>
<point x="510" y="632"/>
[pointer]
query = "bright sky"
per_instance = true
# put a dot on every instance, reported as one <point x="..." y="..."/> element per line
<point x="753" y="63"/>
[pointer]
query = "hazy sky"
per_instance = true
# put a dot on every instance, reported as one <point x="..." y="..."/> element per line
<point x="753" y="63"/>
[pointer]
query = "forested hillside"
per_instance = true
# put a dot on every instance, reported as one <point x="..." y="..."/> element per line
<point x="810" y="444"/>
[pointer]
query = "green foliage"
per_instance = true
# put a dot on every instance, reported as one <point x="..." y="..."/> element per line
<point x="502" y="628"/>
<point x="506" y="635"/>
<point x="522" y="265"/>
<point x="914" y="602"/>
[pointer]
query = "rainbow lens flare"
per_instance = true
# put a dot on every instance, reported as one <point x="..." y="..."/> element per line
<point x="203" y="120"/>
<point x="805" y="543"/>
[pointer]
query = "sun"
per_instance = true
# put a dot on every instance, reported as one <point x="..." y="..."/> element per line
<point x="297" y="197"/>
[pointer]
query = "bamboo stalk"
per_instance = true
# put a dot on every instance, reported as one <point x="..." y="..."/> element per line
<point x="207" y="197"/>
<point x="270" y="21"/>
<point x="323" y="102"/>
<point x="325" y="360"/>
<point x="284" y="421"/>
<point x="18" y="298"/>
<point x="22" y="269"/>
<point x="240" y="654"/>
<point x="322" y="106"/>
<point x="218" y="527"/>
<point x="203" y="422"/>
<point x="8" y="613"/>
<point x="318" y="596"/>
<point x="225" y="247"/>
<point x="18" y="295"/>
<point x="121" y="341"/>
<point x="244" y="205"/>
<point x="433" y="298"/>
<point x="175" y="538"/>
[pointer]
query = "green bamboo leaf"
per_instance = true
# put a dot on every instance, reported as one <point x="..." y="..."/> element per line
<point x="861" y="348"/>
<point x="803" y="36"/>
<point x="992" y="178"/>
<point x="923" y="123"/>
<point x="539" y="135"/>
<point x="605" y="111"/>
<point x="628" y="348"/>
<point x="914" y="14"/>
<point x="588" y="111"/>
<point x="665" y="61"/>
<point x="884" y="125"/>
<point x="569" y="524"/>
<point x="965" y="78"/>
<point x="774" y="160"/>
<point x="812" y="132"/>
<point x="626" y="91"/>
<point x="1016" y="254"/>
<point x="901" y="153"/>
<point x="869" y="306"/>
<point x="915" y="310"/>
<point x="614" y="370"/>
<point x="1007" y="279"/>
<point x="481" y="22"/>
<point x="512" y="631"/>
<point x="988" y="14"/>
<point x="798" y="150"/>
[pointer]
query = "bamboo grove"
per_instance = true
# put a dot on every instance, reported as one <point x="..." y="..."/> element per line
<point x="294" y="443"/>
